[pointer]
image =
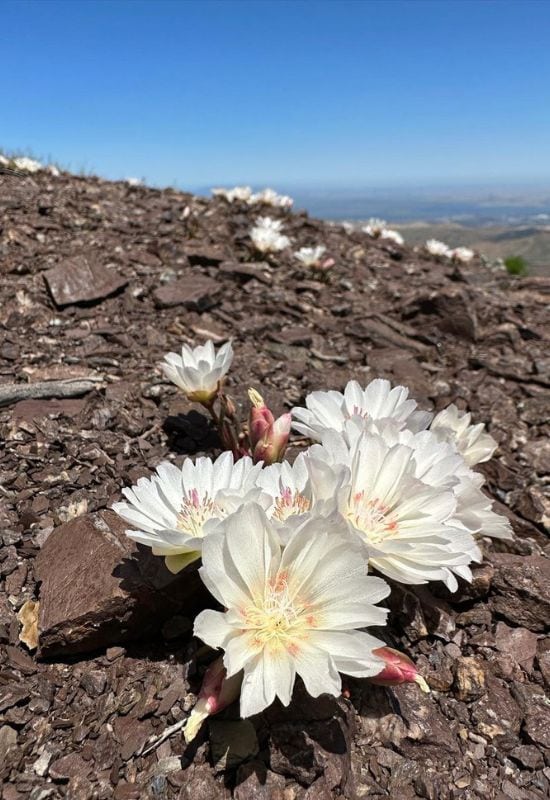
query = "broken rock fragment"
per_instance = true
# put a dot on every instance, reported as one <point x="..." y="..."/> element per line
<point x="79" y="279"/>
<point x="100" y="588"/>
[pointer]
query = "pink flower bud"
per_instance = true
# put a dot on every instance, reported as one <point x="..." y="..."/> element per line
<point x="217" y="692"/>
<point x="399" y="669"/>
<point x="268" y="436"/>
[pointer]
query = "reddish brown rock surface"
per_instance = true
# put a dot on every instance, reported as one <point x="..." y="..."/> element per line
<point x="75" y="723"/>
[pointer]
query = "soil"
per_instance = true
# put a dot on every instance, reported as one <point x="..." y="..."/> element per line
<point x="97" y="281"/>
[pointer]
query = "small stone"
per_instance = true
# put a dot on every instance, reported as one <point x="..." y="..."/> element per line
<point x="521" y="590"/>
<point x="42" y="763"/>
<point x="527" y="755"/>
<point x="469" y="678"/>
<point x="231" y="743"/>
<point x="196" y="293"/>
<point x="69" y="766"/>
<point x="78" y="279"/>
<point x="537" y="725"/>
<point x="8" y="739"/>
<point x="518" y="643"/>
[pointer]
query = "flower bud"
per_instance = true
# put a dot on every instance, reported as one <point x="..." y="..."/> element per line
<point x="217" y="692"/>
<point x="399" y="669"/>
<point x="268" y="436"/>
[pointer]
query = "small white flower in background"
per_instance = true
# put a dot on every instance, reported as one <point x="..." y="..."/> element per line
<point x="269" y="197"/>
<point x="437" y="248"/>
<point x="133" y="181"/>
<point x="291" y="612"/>
<point x="406" y="524"/>
<point x="374" y="227"/>
<point x="53" y="170"/>
<point x="393" y="236"/>
<point x="472" y="441"/>
<point x="4" y="162"/>
<point x="267" y="237"/>
<point x="330" y="410"/>
<point x="462" y="254"/>
<point x="311" y="256"/>
<point x="175" y="508"/>
<point x="199" y="371"/>
<point x="240" y="194"/>
<point x="27" y="164"/>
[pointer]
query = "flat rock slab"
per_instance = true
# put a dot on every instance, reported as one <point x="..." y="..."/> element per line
<point x="80" y="280"/>
<point x="196" y="293"/>
<point x="522" y="590"/>
<point x="99" y="588"/>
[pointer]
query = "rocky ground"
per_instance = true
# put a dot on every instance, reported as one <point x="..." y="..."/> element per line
<point x="97" y="281"/>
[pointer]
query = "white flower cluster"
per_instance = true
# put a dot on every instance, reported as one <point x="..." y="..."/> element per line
<point x="287" y="549"/>
<point x="311" y="256"/>
<point x="441" y="250"/>
<point x="267" y="236"/>
<point x="244" y="194"/>
<point x="377" y="229"/>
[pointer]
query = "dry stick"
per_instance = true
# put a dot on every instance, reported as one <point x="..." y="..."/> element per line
<point x="163" y="736"/>
<point x="12" y="392"/>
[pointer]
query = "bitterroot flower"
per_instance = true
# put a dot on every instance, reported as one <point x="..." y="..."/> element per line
<point x="271" y="198"/>
<point x="462" y="254"/>
<point x="374" y="227"/>
<point x="175" y="509"/>
<point x="472" y="441"/>
<point x="330" y="410"/>
<point x="267" y="237"/>
<point x="399" y="669"/>
<point x="392" y="236"/>
<point x="437" y="248"/>
<point x="241" y="194"/>
<point x="290" y="612"/>
<point x="311" y="256"/>
<point x="26" y="164"/>
<point x="407" y="525"/>
<point x="217" y="692"/>
<point x="268" y="436"/>
<point x="199" y="371"/>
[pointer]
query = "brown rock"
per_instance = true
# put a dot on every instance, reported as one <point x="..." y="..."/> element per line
<point x="232" y="742"/>
<point x="69" y="766"/>
<point x="79" y="279"/>
<point x="522" y="590"/>
<point x="470" y="678"/>
<point x="457" y="313"/>
<point x="8" y="739"/>
<point x="259" y="270"/>
<point x="133" y="592"/>
<point x="519" y="643"/>
<point x="255" y="782"/>
<point x="195" y="292"/>
<point x="205" y="254"/>
<point x="427" y="730"/>
<point x="496" y="714"/>
<point x="537" y="724"/>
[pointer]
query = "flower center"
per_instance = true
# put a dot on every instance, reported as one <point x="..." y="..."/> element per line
<point x="195" y="512"/>
<point x="372" y="517"/>
<point x="289" y="503"/>
<point x="277" y="620"/>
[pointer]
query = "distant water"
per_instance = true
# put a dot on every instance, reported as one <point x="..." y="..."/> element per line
<point x="467" y="208"/>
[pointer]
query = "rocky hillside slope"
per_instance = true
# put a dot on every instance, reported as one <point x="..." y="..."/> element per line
<point x="97" y="281"/>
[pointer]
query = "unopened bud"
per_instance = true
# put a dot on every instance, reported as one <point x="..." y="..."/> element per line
<point x="217" y="692"/>
<point x="399" y="669"/>
<point x="272" y="445"/>
<point x="260" y="418"/>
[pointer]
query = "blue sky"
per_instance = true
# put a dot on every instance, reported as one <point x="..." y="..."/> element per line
<point x="290" y="92"/>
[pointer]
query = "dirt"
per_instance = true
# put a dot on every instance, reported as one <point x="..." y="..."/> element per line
<point x="97" y="281"/>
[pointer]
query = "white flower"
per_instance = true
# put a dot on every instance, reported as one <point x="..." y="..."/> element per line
<point x="374" y="227"/>
<point x="471" y="441"/>
<point x="393" y="236"/>
<point x="174" y="509"/>
<point x="310" y="256"/>
<point x="4" y="162"/>
<point x="237" y="194"/>
<point x="299" y="490"/>
<point x="53" y="170"/>
<point x="267" y="236"/>
<point x="405" y="523"/>
<point x="439" y="464"/>
<point x="330" y="410"/>
<point x="133" y="181"/>
<point x="289" y="613"/>
<point x="27" y="164"/>
<point x="462" y="254"/>
<point x="199" y="371"/>
<point x="271" y="198"/>
<point x="437" y="248"/>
